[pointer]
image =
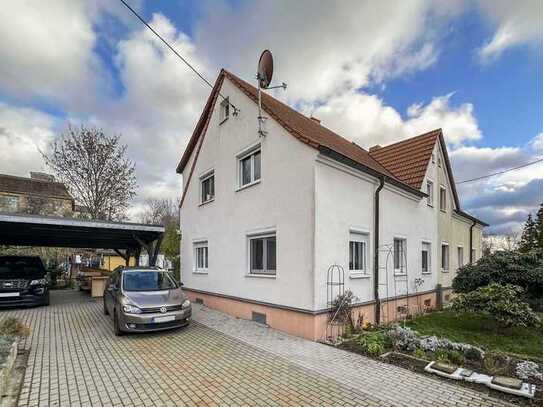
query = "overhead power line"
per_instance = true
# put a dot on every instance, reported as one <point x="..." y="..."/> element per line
<point x="202" y="77"/>
<point x="501" y="172"/>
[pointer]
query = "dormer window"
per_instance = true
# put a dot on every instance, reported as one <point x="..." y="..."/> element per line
<point x="225" y="110"/>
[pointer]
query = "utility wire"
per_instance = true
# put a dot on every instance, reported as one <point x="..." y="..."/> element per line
<point x="202" y="77"/>
<point x="501" y="172"/>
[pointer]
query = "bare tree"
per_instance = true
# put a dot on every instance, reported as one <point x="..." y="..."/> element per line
<point x="159" y="211"/>
<point x="95" y="169"/>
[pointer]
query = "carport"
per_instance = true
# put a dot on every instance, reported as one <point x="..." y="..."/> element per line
<point x="127" y="239"/>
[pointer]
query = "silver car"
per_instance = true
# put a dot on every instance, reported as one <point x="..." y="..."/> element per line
<point x="145" y="299"/>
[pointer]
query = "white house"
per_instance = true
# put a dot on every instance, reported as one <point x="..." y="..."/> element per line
<point x="264" y="217"/>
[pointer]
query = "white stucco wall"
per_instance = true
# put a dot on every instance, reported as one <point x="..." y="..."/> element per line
<point x="283" y="201"/>
<point x="344" y="202"/>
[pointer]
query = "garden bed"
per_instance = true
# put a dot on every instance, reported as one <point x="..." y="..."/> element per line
<point x="447" y="340"/>
<point x="481" y="331"/>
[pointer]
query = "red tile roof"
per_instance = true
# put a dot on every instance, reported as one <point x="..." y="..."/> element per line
<point x="408" y="159"/>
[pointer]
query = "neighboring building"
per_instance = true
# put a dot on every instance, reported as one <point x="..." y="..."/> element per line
<point x="423" y="163"/>
<point x="264" y="217"/>
<point x="39" y="194"/>
<point x="110" y="260"/>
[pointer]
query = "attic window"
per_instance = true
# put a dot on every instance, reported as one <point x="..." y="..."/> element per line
<point x="225" y="110"/>
<point x="439" y="162"/>
<point x="433" y="158"/>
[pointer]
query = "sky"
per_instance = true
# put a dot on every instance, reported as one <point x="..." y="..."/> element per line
<point x="374" y="72"/>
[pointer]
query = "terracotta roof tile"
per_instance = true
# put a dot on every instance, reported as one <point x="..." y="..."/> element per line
<point x="408" y="159"/>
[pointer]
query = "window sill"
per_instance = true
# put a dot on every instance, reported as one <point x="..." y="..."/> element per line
<point x="398" y="274"/>
<point x="443" y="210"/>
<point x="199" y="272"/>
<point x="248" y="185"/>
<point x="444" y="271"/>
<point x="206" y="202"/>
<point x="359" y="275"/>
<point x="430" y="205"/>
<point x="254" y="275"/>
<point x="426" y="273"/>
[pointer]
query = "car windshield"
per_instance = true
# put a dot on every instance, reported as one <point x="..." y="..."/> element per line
<point x="21" y="268"/>
<point x="147" y="281"/>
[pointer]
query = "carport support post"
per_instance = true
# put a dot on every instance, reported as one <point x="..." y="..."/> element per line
<point x="156" y="250"/>
<point x="125" y="255"/>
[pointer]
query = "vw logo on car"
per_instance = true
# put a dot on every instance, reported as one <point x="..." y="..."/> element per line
<point x="163" y="310"/>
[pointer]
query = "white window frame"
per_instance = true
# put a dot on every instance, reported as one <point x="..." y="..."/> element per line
<point x="427" y="247"/>
<point x="224" y="110"/>
<point x="264" y="272"/>
<point x="460" y="259"/>
<point x="448" y="257"/>
<point x="250" y="153"/>
<point x="430" y="192"/>
<point x="442" y="202"/>
<point x="203" y="246"/>
<point x="362" y="238"/>
<point x="402" y="270"/>
<point x="209" y="174"/>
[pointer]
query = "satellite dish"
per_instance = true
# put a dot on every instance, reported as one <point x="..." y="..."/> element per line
<point x="265" y="69"/>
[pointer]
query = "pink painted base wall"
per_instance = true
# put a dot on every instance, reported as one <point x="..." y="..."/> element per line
<point x="310" y="326"/>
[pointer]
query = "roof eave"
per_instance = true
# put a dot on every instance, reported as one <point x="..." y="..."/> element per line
<point x="472" y="218"/>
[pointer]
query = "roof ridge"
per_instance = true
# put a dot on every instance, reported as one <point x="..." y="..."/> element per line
<point x="413" y="139"/>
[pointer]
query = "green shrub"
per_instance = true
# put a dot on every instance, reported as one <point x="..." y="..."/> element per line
<point x="13" y="327"/>
<point x="502" y="303"/>
<point x="504" y="267"/>
<point x="374" y="343"/>
<point x="474" y="354"/>
<point x="456" y="357"/>
<point x="419" y="353"/>
<point x="496" y="364"/>
<point x="441" y="355"/>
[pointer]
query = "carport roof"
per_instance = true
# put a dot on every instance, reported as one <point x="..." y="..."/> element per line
<point x="48" y="231"/>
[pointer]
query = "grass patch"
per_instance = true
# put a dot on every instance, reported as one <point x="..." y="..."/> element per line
<point x="481" y="331"/>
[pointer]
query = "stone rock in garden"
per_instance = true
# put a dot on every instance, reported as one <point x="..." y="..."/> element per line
<point x="509" y="382"/>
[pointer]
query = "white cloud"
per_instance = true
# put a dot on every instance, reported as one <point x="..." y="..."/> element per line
<point x="537" y="143"/>
<point x="367" y="120"/>
<point x="323" y="49"/>
<point x="517" y="23"/>
<point x="47" y="53"/>
<point x="23" y="132"/>
<point x="160" y="105"/>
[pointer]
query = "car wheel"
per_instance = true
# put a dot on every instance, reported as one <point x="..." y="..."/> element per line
<point x="116" y="327"/>
<point x="106" y="312"/>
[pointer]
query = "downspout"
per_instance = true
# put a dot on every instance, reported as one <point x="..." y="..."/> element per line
<point x="376" y="252"/>
<point x="471" y="242"/>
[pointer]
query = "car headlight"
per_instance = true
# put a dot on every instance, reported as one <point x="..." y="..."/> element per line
<point x="131" y="309"/>
<point x="40" y="281"/>
<point x="185" y="304"/>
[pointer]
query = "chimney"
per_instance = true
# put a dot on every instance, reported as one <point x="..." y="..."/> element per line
<point x="315" y="120"/>
<point x="374" y="148"/>
<point x="42" y="176"/>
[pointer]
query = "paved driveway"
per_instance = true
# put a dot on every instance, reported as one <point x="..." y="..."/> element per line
<point x="76" y="360"/>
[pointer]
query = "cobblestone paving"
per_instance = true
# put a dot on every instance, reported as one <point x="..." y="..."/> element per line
<point x="388" y="383"/>
<point x="75" y="360"/>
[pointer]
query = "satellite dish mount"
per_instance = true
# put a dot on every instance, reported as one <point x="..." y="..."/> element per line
<point x="264" y="76"/>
